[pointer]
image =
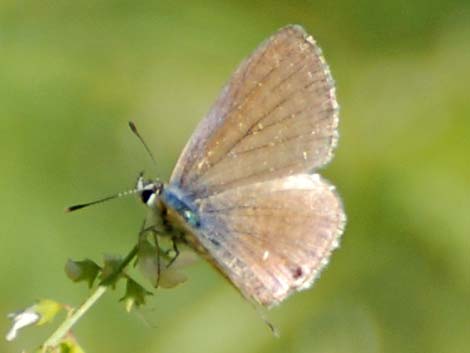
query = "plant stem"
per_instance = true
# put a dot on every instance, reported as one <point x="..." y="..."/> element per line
<point x="109" y="280"/>
<point x="72" y="319"/>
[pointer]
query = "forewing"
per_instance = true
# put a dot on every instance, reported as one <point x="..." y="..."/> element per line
<point x="272" y="239"/>
<point x="277" y="116"/>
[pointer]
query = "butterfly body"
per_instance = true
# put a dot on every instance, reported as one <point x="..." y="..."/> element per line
<point x="173" y="216"/>
<point x="245" y="192"/>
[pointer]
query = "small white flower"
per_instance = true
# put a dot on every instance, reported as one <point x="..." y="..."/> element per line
<point x="21" y="319"/>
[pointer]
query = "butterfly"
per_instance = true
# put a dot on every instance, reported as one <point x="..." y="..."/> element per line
<point x="245" y="193"/>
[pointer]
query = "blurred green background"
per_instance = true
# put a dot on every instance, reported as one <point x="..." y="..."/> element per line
<point x="73" y="73"/>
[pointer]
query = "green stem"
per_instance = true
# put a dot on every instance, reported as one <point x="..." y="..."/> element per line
<point x="72" y="319"/>
<point x="111" y="279"/>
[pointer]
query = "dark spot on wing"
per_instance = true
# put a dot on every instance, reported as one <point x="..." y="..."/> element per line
<point x="297" y="272"/>
<point x="215" y="242"/>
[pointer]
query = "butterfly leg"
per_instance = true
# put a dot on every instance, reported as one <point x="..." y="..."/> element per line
<point x="175" y="249"/>
<point x="155" y="233"/>
<point x="159" y="267"/>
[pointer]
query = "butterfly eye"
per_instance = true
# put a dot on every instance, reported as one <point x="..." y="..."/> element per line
<point x="146" y="195"/>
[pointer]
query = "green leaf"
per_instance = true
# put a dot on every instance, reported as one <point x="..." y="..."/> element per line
<point x="185" y="259"/>
<point x="135" y="294"/>
<point x="170" y="278"/>
<point x="86" y="270"/>
<point x="69" y="345"/>
<point x="111" y="272"/>
<point x="47" y="309"/>
<point x="147" y="257"/>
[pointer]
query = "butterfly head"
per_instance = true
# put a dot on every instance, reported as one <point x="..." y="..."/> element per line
<point x="148" y="190"/>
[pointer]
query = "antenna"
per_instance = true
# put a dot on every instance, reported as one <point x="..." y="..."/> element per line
<point x="115" y="196"/>
<point x="125" y="193"/>
<point x="136" y="133"/>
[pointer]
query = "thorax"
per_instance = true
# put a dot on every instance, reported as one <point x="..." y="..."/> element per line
<point x="178" y="217"/>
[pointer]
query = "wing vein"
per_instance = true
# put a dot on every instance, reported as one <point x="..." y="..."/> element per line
<point x="279" y="104"/>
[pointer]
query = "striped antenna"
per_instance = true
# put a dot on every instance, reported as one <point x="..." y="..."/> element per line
<point x="120" y="194"/>
<point x="115" y="196"/>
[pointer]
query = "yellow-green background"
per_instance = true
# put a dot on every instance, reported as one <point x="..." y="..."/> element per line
<point x="72" y="73"/>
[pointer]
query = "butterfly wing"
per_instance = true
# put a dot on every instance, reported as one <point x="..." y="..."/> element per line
<point x="271" y="239"/>
<point x="267" y="224"/>
<point x="277" y="116"/>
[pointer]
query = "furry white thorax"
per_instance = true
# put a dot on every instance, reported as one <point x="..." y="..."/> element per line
<point x="152" y="201"/>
